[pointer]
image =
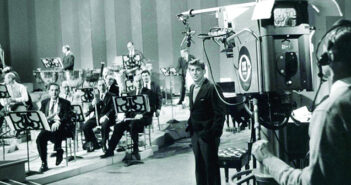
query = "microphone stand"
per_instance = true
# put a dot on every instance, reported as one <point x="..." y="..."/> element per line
<point x="170" y="72"/>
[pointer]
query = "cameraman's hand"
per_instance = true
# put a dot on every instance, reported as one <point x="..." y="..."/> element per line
<point x="260" y="150"/>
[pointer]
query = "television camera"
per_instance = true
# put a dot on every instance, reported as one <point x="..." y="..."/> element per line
<point x="269" y="44"/>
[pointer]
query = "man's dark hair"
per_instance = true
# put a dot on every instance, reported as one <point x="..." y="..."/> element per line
<point x="339" y="42"/>
<point x="67" y="47"/>
<point x="145" y="71"/>
<point x="197" y="62"/>
<point x="53" y="84"/>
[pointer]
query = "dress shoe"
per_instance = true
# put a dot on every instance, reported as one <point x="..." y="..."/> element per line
<point x="121" y="149"/>
<point x="91" y="147"/>
<point x="59" y="157"/>
<point x="85" y="145"/>
<point x="107" y="154"/>
<point x="43" y="168"/>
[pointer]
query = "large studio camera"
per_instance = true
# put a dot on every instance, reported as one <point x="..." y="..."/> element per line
<point x="270" y="55"/>
<point x="269" y="45"/>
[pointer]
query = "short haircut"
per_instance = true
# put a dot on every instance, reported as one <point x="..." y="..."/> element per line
<point x="130" y="43"/>
<point x="197" y="62"/>
<point x="53" y="84"/>
<point x="10" y="75"/>
<point x="340" y="41"/>
<point x="145" y="71"/>
<point x="67" y="47"/>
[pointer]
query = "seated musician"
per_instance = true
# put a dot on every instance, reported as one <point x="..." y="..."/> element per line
<point x="136" y="126"/>
<point x="58" y="112"/>
<point x="112" y="84"/>
<point x="67" y="92"/>
<point x="106" y="117"/>
<point x="19" y="97"/>
<point x="19" y="100"/>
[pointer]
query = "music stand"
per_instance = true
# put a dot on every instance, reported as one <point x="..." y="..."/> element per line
<point x="77" y="118"/>
<point x="131" y="62"/>
<point x="3" y="94"/>
<point x="131" y="104"/>
<point x="88" y="95"/>
<point x="25" y="121"/>
<point x="52" y="63"/>
<point x="170" y="72"/>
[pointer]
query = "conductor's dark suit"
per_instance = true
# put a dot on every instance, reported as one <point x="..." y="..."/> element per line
<point x="68" y="62"/>
<point x="205" y="126"/>
<point x="66" y="128"/>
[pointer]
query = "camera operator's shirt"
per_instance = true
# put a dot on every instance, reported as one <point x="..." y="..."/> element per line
<point x="330" y="144"/>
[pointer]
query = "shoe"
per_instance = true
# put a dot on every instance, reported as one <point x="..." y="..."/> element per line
<point x="43" y="168"/>
<point x="91" y="147"/>
<point x="121" y="149"/>
<point x="85" y="145"/>
<point x="59" y="157"/>
<point x="179" y="103"/>
<point x="107" y="154"/>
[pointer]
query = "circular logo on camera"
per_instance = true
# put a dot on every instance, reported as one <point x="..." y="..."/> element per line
<point x="245" y="68"/>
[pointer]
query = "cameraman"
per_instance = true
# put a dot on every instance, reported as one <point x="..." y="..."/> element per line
<point x="330" y="125"/>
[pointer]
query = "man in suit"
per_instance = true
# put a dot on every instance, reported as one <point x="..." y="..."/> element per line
<point x="106" y="116"/>
<point x="329" y="128"/>
<point x="153" y="92"/>
<point x="205" y="124"/>
<point x="182" y="68"/>
<point x="58" y="112"/>
<point x="68" y="58"/>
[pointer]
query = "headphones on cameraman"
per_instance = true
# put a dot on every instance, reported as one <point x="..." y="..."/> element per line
<point x="340" y="28"/>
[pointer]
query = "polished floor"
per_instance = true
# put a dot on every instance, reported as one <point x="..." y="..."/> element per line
<point x="172" y="165"/>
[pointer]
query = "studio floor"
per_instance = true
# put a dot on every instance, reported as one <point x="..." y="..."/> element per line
<point x="163" y="163"/>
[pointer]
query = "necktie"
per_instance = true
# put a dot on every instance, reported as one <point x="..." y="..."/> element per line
<point x="51" y="111"/>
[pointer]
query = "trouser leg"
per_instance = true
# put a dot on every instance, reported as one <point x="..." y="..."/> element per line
<point x="57" y="138"/>
<point x="117" y="135"/>
<point x="105" y="131"/>
<point x="42" y="141"/>
<point x="88" y="130"/>
<point x="182" y="90"/>
<point x="209" y="152"/>
<point x="200" y="173"/>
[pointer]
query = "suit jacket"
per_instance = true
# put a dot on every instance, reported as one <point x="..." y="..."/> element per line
<point x="207" y="113"/>
<point x="65" y="114"/>
<point x="68" y="62"/>
<point x="155" y="98"/>
<point x="105" y="107"/>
